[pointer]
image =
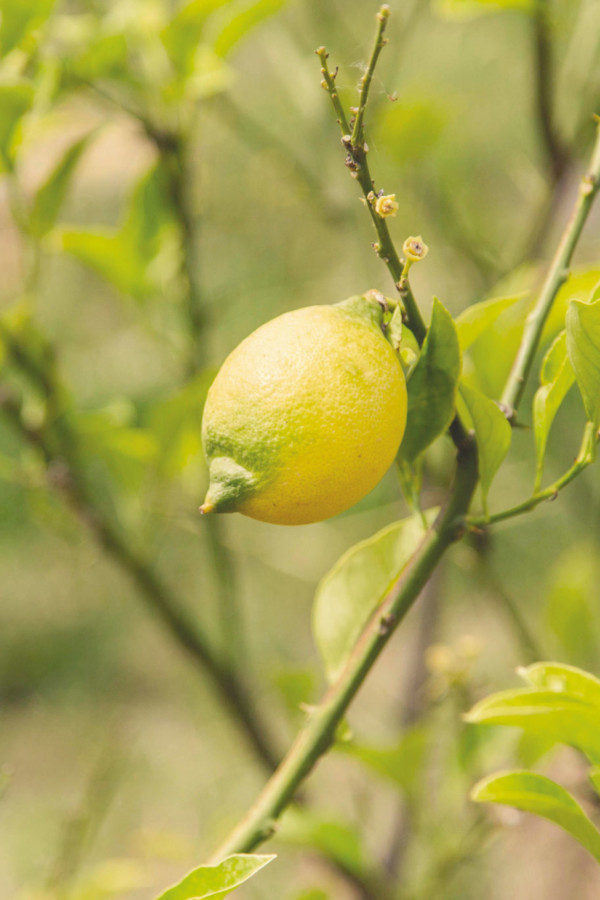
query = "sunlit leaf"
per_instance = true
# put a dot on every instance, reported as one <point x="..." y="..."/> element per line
<point x="480" y="317"/>
<point x="578" y="286"/>
<point x="595" y="778"/>
<point x="109" y="256"/>
<point x="217" y="881"/>
<point x="16" y="99"/>
<point x="556" y="378"/>
<point x="566" y="717"/>
<point x="432" y="385"/>
<point x="583" y="345"/>
<point x="50" y="196"/>
<point x="350" y="593"/>
<point x="492" y="432"/>
<point x="537" y="794"/>
<point x="560" y="677"/>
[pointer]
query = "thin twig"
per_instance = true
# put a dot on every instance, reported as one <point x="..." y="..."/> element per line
<point x="585" y="457"/>
<point x="356" y="162"/>
<point x="413" y="707"/>
<point x="357" y="137"/>
<point x="556" y="277"/>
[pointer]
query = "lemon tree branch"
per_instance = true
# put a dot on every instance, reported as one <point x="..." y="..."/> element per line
<point x="318" y="733"/>
<point x="357" y="164"/>
<point x="585" y="457"/>
<point x="57" y="443"/>
<point x="556" y="277"/>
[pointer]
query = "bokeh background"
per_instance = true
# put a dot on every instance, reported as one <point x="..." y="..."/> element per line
<point x="208" y="195"/>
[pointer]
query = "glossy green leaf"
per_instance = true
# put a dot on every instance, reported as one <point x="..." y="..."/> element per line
<point x="20" y="18"/>
<point x="432" y="386"/>
<point x="239" y="18"/>
<point x="583" y="345"/>
<point x="480" y="317"/>
<point x="217" y="881"/>
<point x="16" y="99"/>
<point x="578" y="286"/>
<point x="556" y="378"/>
<point x="492" y="432"/>
<point x="531" y="792"/>
<point x="562" y="678"/>
<point x="350" y="593"/>
<point x="50" y="196"/>
<point x="566" y="717"/>
<point x="334" y="840"/>
<point x="400" y="764"/>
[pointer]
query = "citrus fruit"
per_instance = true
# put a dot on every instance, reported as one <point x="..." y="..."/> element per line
<point x="305" y="416"/>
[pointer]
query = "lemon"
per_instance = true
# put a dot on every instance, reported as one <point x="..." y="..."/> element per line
<point x="305" y="416"/>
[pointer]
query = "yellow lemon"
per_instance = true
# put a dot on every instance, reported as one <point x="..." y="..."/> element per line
<point x="305" y="416"/>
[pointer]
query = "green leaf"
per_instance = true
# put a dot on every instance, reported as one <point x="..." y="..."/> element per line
<point x="297" y="688"/>
<point x="535" y="793"/>
<point x="16" y="99"/>
<point x="350" y="593"/>
<point x="124" y="256"/>
<point x="176" y="423"/>
<point x="583" y="345"/>
<point x="595" y="778"/>
<point x="108" y="255"/>
<point x="562" y="678"/>
<point x="410" y="129"/>
<point x="239" y="18"/>
<point x="571" y="608"/>
<point x="432" y="385"/>
<point x="50" y="196"/>
<point x="401" y="764"/>
<point x="183" y="34"/>
<point x="566" y="717"/>
<point x="556" y="378"/>
<point x="493" y="434"/>
<point x="480" y="317"/>
<point x="217" y="881"/>
<point x="334" y="840"/>
<point x="20" y="18"/>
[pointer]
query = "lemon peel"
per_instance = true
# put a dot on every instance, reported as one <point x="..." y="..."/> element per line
<point x="306" y="415"/>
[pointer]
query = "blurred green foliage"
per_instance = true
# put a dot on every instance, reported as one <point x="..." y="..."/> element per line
<point x="172" y="177"/>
